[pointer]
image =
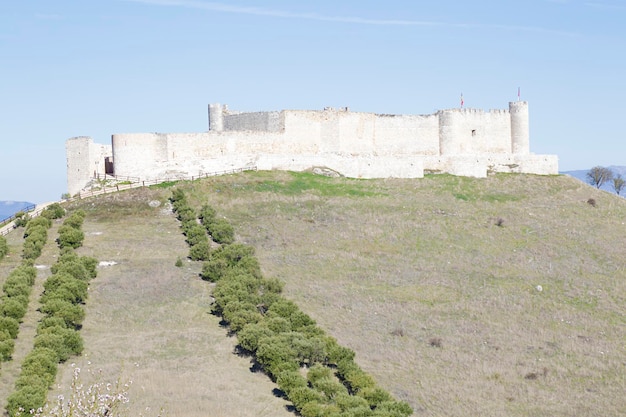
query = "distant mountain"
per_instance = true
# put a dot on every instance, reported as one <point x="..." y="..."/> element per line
<point x="9" y="208"/>
<point x="581" y="174"/>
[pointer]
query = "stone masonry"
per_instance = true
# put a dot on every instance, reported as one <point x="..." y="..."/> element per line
<point x="467" y="142"/>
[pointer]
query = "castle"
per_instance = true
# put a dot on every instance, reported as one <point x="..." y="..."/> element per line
<point x="466" y="142"/>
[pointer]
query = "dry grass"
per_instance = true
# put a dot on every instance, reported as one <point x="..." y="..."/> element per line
<point x="435" y="294"/>
<point x="429" y="257"/>
<point x="148" y="321"/>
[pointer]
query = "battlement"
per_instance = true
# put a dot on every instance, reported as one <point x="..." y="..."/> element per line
<point x="460" y="141"/>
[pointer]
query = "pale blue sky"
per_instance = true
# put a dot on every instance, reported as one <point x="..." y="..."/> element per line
<point x="94" y="68"/>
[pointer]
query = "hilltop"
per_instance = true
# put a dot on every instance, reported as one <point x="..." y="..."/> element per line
<point x="495" y="296"/>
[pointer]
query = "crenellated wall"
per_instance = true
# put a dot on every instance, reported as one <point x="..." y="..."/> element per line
<point x="459" y="141"/>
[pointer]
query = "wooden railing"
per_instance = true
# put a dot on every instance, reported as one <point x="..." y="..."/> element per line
<point x="134" y="182"/>
<point x="6" y="226"/>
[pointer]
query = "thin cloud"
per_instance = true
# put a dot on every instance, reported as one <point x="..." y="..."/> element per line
<point x="258" y="11"/>
<point x="606" y="5"/>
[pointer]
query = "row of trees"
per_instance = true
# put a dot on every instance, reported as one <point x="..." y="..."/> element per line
<point x="196" y="233"/>
<point x="314" y="372"/>
<point x="598" y="176"/>
<point x="18" y="284"/>
<point x="57" y="337"/>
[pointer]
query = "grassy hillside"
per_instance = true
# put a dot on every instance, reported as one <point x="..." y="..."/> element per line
<point x="491" y="297"/>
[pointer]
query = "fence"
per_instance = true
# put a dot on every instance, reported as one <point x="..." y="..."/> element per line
<point x="127" y="183"/>
<point x="134" y="182"/>
<point x="6" y="225"/>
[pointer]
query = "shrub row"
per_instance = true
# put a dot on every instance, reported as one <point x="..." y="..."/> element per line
<point x="195" y="233"/>
<point x="221" y="230"/>
<point x="4" y="248"/>
<point x="283" y="340"/>
<point x="36" y="229"/>
<point x="57" y="337"/>
<point x="18" y="285"/>
<point x="70" y="233"/>
<point x="35" y="237"/>
<point x="17" y="288"/>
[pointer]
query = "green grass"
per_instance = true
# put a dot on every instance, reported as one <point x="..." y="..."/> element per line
<point x="439" y="303"/>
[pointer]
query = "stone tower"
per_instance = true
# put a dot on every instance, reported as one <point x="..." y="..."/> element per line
<point x="216" y="117"/>
<point x="520" y="136"/>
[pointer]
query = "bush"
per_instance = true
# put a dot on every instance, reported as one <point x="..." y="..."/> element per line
<point x="273" y="351"/>
<point x="72" y="290"/>
<point x="21" y="219"/>
<point x="70" y="237"/>
<point x="42" y="362"/>
<point x="221" y="231"/>
<point x="354" y="376"/>
<point x="51" y="322"/>
<point x="395" y="408"/>
<point x="290" y="311"/>
<point x="241" y="317"/>
<point x="177" y="195"/>
<point x="330" y="387"/>
<point x="40" y="221"/>
<point x="14" y="307"/>
<point x="228" y="257"/>
<point x="304" y="395"/>
<point x="315" y="409"/>
<point x="65" y="342"/>
<point x="24" y="273"/>
<point x="186" y="214"/>
<point x="375" y="396"/>
<point x="289" y="380"/>
<point x="200" y="252"/>
<point x="28" y="397"/>
<point x="14" y="288"/>
<point x="75" y="220"/>
<point x="72" y="314"/>
<point x="207" y="214"/>
<point x="196" y="234"/>
<point x="74" y="269"/>
<point x="250" y="335"/>
<point x="7" y="346"/>
<point x="53" y="211"/>
<point x="317" y="372"/>
<point x="9" y="325"/>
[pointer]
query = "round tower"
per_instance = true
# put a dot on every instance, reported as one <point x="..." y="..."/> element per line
<point x="216" y="117"/>
<point x="449" y="140"/>
<point x="520" y="138"/>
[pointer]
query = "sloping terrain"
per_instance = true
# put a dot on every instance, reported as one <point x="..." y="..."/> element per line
<point x="497" y="296"/>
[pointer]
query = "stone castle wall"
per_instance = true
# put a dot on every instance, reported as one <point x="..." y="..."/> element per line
<point x="363" y="145"/>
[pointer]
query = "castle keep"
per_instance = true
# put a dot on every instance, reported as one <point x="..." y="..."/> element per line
<point x="465" y="142"/>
